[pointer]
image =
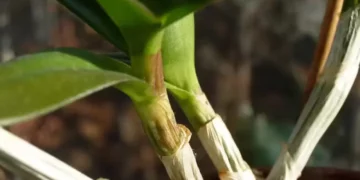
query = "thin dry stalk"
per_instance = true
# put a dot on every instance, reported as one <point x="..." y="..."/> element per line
<point x="326" y="99"/>
<point x="327" y="33"/>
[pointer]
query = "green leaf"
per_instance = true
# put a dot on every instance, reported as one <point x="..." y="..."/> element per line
<point x="178" y="57"/>
<point x="119" y="56"/>
<point x="137" y="22"/>
<point x="36" y="84"/>
<point x="128" y="13"/>
<point x="31" y="95"/>
<point x="139" y="26"/>
<point x="60" y="58"/>
<point x="91" y="13"/>
<point x="138" y="12"/>
<point x="181" y="9"/>
<point x="141" y="21"/>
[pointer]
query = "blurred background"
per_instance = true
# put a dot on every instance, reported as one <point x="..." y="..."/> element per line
<point x="252" y="59"/>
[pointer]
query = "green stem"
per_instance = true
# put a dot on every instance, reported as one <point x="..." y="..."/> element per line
<point x="170" y="140"/>
<point x="145" y="51"/>
<point x="149" y="67"/>
<point x="182" y="82"/>
<point x="214" y="136"/>
<point x="197" y="109"/>
<point x="156" y="113"/>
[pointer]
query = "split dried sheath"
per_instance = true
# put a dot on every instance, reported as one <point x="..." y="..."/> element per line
<point x="170" y="140"/>
<point x="325" y="101"/>
<point x="29" y="162"/>
<point x="216" y="139"/>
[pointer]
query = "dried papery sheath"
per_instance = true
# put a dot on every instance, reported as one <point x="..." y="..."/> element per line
<point x="182" y="164"/>
<point x="30" y="162"/>
<point x="219" y="144"/>
<point x="216" y="139"/>
<point x="325" y="101"/>
<point x="247" y="174"/>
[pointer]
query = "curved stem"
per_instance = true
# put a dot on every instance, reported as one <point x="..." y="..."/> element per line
<point x="325" y="101"/>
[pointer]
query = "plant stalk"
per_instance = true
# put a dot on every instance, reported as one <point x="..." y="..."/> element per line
<point x="327" y="34"/>
<point x="29" y="162"/>
<point x="216" y="138"/>
<point x="180" y="75"/>
<point x="169" y="139"/>
<point x="325" y="101"/>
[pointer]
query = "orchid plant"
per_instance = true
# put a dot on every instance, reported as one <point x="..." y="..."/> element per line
<point x="157" y="38"/>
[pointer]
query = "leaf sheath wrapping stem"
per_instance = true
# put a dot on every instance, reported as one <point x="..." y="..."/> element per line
<point x="159" y="124"/>
<point x="170" y="140"/>
<point x="197" y="109"/>
<point x="149" y="67"/>
<point x="180" y="75"/>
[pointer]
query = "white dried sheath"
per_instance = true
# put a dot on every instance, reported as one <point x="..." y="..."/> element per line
<point x="182" y="164"/>
<point x="30" y="162"/>
<point x="325" y="101"/>
<point x="221" y="147"/>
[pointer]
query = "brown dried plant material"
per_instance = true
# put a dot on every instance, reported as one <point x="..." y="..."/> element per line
<point x="327" y="34"/>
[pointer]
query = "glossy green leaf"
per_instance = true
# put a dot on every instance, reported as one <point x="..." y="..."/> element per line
<point x="128" y="13"/>
<point x="60" y="58"/>
<point x="91" y="13"/>
<point x="36" y="84"/>
<point x="137" y="23"/>
<point x="135" y="12"/>
<point x="141" y="21"/>
<point x="25" y="97"/>
<point x="176" y="11"/>
<point x="178" y="57"/>
<point x="122" y="57"/>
